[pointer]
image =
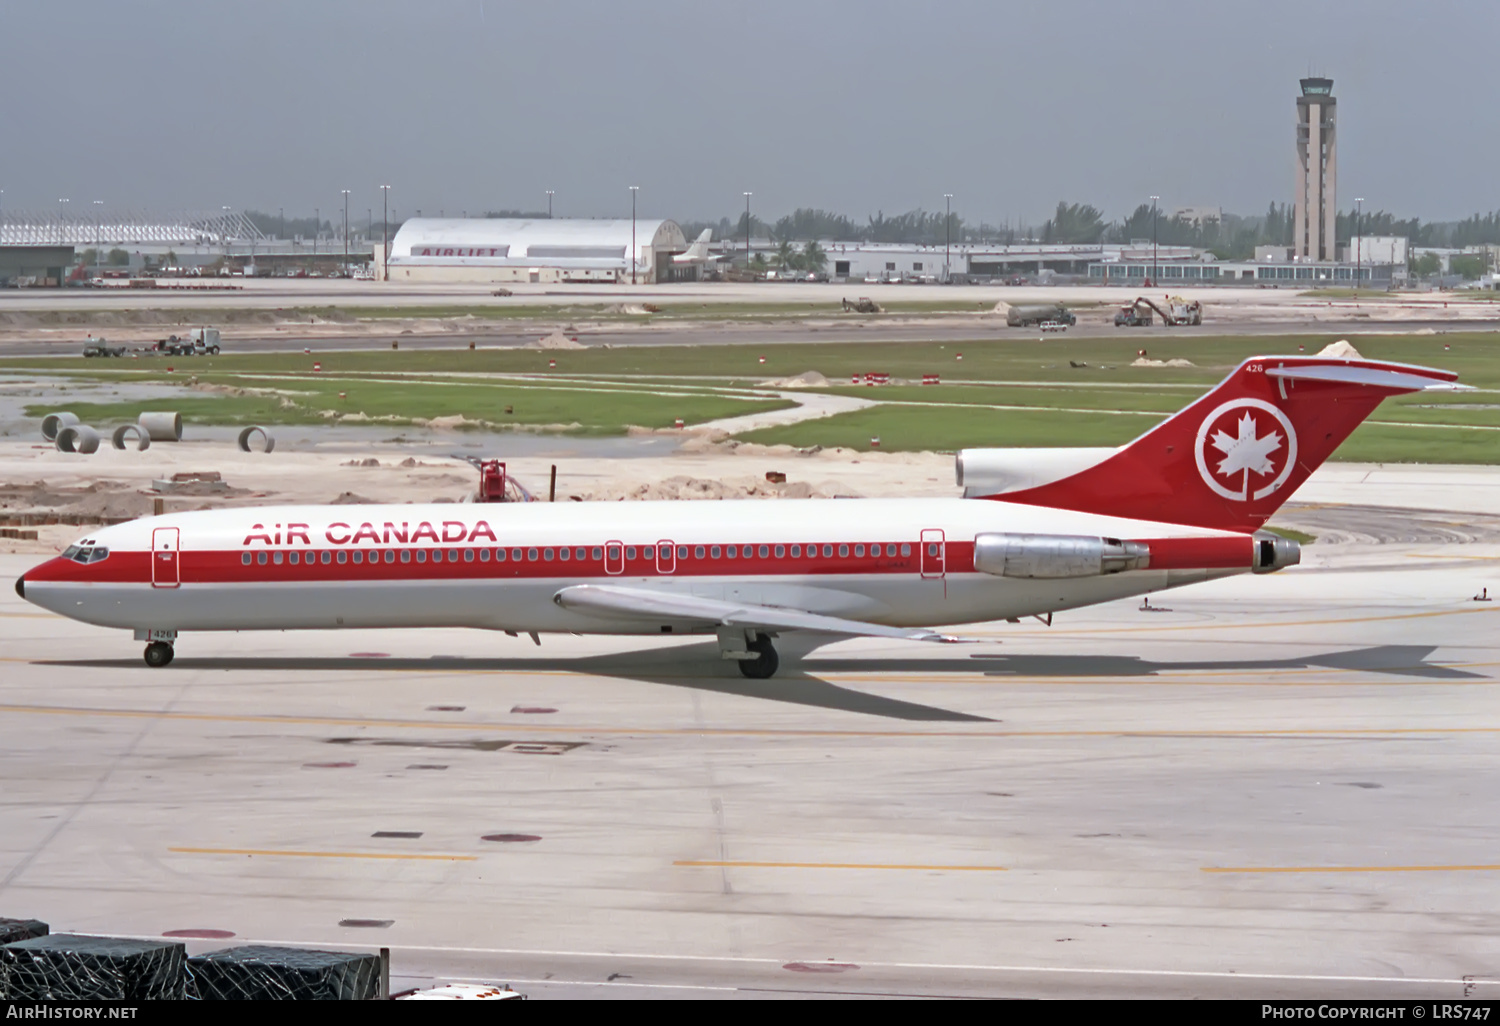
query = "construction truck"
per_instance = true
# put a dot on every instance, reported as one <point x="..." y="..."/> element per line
<point x="1176" y="312"/>
<point x="1039" y="313"/>
<point x="97" y="347"/>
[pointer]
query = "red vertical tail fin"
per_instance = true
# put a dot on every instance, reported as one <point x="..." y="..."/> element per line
<point x="1232" y="458"/>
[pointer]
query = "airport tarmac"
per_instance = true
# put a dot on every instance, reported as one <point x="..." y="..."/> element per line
<point x="291" y="315"/>
<point x="1266" y="786"/>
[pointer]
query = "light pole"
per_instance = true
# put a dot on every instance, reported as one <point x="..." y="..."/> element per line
<point x="62" y="217"/>
<point x="633" y="190"/>
<point x="947" y="234"/>
<point x="317" y="230"/>
<point x="281" y="223"/>
<point x="1153" y="240"/>
<point x="549" y="204"/>
<point x="747" y="229"/>
<point x="97" y="229"/>
<point x="346" y="231"/>
<point x="385" y="232"/>
<point x="1358" y="243"/>
<point x="224" y="236"/>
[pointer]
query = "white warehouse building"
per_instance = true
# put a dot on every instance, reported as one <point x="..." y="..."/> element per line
<point x="431" y="249"/>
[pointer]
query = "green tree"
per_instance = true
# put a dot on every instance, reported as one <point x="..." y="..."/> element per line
<point x="758" y="263"/>
<point x="1073" y="223"/>
<point x="787" y="257"/>
<point x="1470" y="265"/>
<point x="89" y="257"/>
<point x="119" y="258"/>
<point x="813" y="256"/>
<point x="1426" y="264"/>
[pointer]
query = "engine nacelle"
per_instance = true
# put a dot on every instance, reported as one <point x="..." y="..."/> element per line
<point x="1053" y="556"/>
<point x="1273" y="552"/>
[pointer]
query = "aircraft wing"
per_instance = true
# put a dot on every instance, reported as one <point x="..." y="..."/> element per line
<point x="612" y="602"/>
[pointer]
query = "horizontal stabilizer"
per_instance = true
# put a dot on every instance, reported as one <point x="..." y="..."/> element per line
<point x="1380" y="377"/>
<point x="613" y="602"/>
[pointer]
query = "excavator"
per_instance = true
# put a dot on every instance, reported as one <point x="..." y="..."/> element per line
<point x="1178" y="311"/>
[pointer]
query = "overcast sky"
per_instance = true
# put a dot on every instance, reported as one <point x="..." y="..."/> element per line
<point x="856" y="107"/>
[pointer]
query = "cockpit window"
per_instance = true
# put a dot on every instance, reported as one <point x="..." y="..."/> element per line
<point x="85" y="553"/>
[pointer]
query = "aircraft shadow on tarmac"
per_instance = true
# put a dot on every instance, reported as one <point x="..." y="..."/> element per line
<point x="692" y="666"/>
<point x="698" y="667"/>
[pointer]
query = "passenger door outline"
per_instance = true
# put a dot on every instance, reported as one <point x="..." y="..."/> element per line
<point x="934" y="553"/>
<point x="614" y="557"/>
<point x="666" y="556"/>
<point x="165" y="571"/>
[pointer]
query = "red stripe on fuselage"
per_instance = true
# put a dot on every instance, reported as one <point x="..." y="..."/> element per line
<point x="228" y="567"/>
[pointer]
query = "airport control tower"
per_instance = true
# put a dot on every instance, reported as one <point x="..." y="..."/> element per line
<point x="1317" y="171"/>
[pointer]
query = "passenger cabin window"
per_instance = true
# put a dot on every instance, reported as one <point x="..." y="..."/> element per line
<point x="245" y="558"/>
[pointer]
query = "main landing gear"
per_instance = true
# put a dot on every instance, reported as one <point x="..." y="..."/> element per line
<point x="764" y="662"/>
<point x="159" y="653"/>
<point x="751" y="649"/>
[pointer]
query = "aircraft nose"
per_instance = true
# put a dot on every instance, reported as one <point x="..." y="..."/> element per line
<point x="21" y="586"/>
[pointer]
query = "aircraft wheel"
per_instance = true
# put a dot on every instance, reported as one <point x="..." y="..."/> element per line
<point x="765" y="663"/>
<point x="158" y="654"/>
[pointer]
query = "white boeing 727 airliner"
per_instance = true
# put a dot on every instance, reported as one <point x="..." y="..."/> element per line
<point x="1038" y="531"/>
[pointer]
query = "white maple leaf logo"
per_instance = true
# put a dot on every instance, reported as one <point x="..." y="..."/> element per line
<point x="1248" y="451"/>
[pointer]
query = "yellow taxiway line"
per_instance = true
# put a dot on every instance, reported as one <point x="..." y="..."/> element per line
<point x="743" y="864"/>
<point x="325" y="854"/>
<point x="1351" y="869"/>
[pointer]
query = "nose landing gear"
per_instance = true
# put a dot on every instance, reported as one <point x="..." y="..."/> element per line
<point x="159" y="653"/>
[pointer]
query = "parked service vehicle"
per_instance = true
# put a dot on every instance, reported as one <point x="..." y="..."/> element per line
<point x="1026" y="315"/>
<point x="97" y="347"/>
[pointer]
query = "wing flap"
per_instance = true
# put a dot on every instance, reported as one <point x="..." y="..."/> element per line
<point x="610" y="601"/>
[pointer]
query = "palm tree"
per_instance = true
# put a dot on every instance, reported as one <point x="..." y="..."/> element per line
<point x="787" y="256"/>
<point x="813" y="256"/>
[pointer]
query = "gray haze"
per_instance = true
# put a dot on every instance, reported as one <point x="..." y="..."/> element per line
<point x="854" y="107"/>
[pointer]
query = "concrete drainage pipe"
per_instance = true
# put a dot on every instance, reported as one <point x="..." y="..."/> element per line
<point x="52" y="423"/>
<point x="125" y="431"/>
<point x="78" y="438"/>
<point x="162" y="427"/>
<point x="267" y="443"/>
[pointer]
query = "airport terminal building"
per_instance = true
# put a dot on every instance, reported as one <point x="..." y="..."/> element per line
<point x="499" y="250"/>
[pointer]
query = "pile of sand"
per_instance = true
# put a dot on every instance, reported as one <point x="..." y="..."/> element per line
<point x="1002" y="308"/>
<point x="636" y="309"/>
<point x="1144" y="361"/>
<point x="556" y="340"/>
<point x="1340" y="349"/>
<point x="807" y="379"/>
